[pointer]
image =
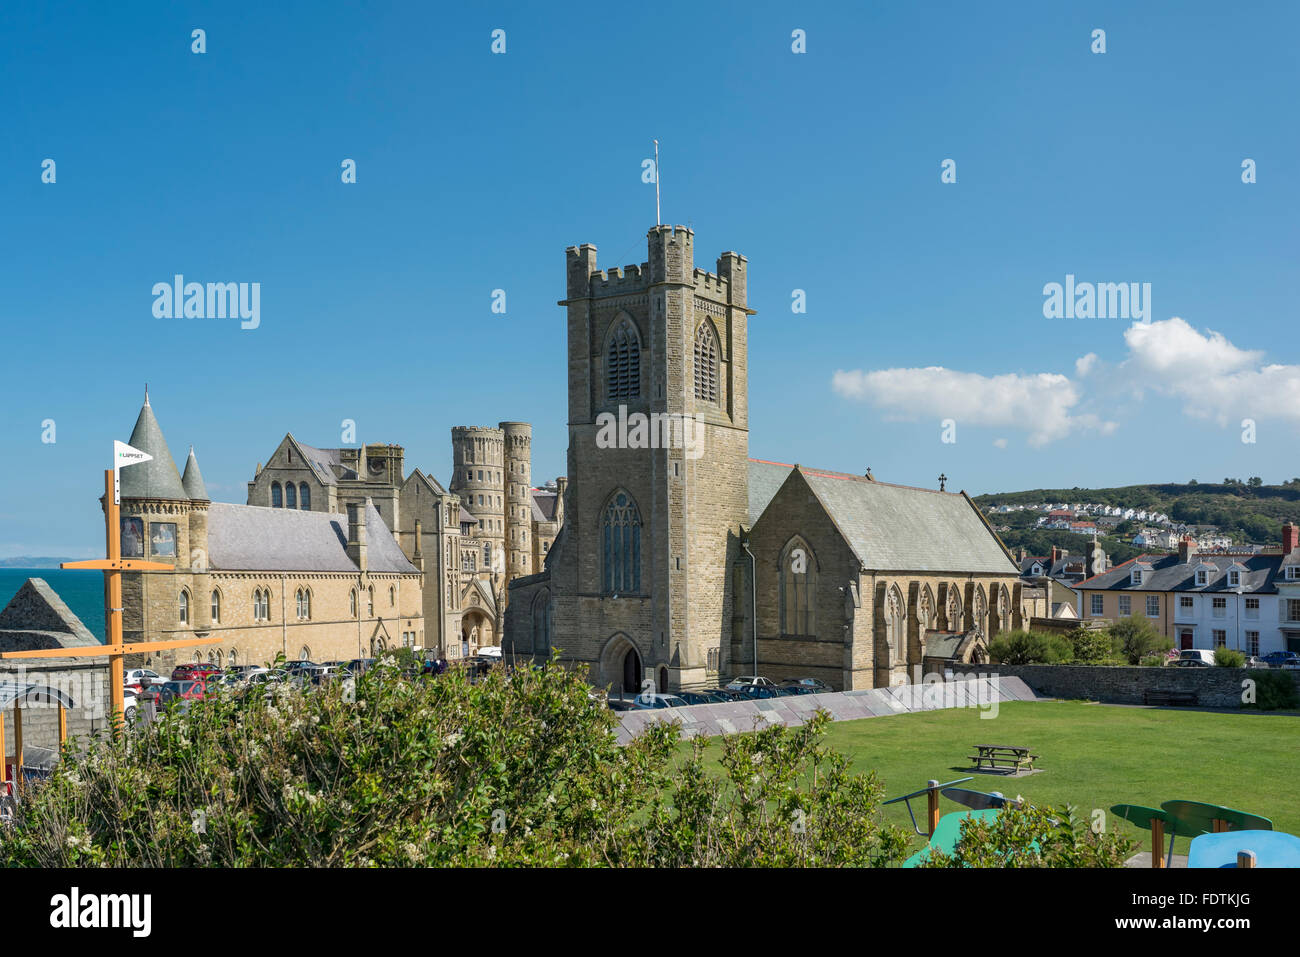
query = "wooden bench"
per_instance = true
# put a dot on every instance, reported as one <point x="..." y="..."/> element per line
<point x="1170" y="697"/>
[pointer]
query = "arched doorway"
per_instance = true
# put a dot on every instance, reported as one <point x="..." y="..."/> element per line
<point x="663" y="680"/>
<point x="631" y="671"/>
<point x="476" y="632"/>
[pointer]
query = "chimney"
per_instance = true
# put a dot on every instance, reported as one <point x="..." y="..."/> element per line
<point x="1290" y="538"/>
<point x="1057" y="554"/>
<point x="1021" y="553"/>
<point x="1094" y="559"/>
<point x="561" y="483"/>
<point x="417" y="556"/>
<point x="357" y="533"/>
<point x="1187" y="549"/>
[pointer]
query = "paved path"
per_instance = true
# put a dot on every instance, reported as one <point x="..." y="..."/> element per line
<point x="737" y="716"/>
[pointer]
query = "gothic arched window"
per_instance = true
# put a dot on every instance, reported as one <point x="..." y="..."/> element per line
<point x="290" y="495"/>
<point x="706" y="362"/>
<point x="623" y="362"/>
<point x="304" y="496"/>
<point x="895" y="629"/>
<point x="216" y="606"/>
<point x="798" y="589"/>
<point x="542" y="623"/>
<point x="621" y="533"/>
<point x="183" y="609"/>
<point x="276" y="500"/>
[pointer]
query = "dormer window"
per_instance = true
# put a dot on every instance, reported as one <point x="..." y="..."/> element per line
<point x="1037" y="569"/>
<point x="1293" y="573"/>
<point x="1136" y="576"/>
<point x="1234" y="577"/>
<point x="1202" y="577"/>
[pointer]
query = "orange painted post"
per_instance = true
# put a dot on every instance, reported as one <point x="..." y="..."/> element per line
<point x="933" y="798"/>
<point x="18" y="745"/>
<point x="4" y="753"/>
<point x="1157" y="842"/>
<point x="63" y="725"/>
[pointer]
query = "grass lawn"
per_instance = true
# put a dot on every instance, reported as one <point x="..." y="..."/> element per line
<point x="1091" y="756"/>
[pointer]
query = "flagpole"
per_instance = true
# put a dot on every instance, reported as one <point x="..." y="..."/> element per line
<point x="658" y="218"/>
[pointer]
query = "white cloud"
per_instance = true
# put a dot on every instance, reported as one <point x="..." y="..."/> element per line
<point x="1214" y="378"/>
<point x="1040" y="404"/>
<point x="1000" y="443"/>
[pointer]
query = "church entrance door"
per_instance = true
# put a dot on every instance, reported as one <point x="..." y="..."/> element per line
<point x="632" y="671"/>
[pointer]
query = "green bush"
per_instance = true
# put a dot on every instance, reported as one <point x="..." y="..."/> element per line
<point x="1033" y="837"/>
<point x="1089" y="645"/>
<point x="1229" y="658"/>
<point x="1136" y="638"/>
<point x="520" y="769"/>
<point x="1154" y="661"/>
<point x="1029" y="648"/>
<point x="1274" y="691"/>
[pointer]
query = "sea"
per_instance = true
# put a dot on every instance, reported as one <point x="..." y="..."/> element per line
<point x="81" y="590"/>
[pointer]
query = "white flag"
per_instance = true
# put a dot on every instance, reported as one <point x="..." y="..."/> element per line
<point x="124" y="455"/>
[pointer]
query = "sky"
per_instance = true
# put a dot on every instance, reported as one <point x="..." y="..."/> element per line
<point x="924" y="344"/>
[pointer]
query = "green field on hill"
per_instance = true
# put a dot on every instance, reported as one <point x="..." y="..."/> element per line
<point x="1091" y="756"/>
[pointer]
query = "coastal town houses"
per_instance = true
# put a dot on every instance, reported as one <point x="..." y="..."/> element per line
<point x="1247" y="601"/>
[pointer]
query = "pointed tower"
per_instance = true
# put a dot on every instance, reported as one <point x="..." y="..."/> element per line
<point x="158" y="524"/>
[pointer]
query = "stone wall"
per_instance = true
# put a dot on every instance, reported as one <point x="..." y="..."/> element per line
<point x="86" y="682"/>
<point x="1215" y="687"/>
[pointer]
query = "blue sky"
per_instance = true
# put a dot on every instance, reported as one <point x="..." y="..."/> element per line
<point x="475" y="171"/>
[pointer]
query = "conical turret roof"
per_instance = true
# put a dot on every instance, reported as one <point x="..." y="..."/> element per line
<point x="193" y="480"/>
<point x="157" y="478"/>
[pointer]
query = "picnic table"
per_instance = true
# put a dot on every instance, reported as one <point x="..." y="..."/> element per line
<point x="1002" y="757"/>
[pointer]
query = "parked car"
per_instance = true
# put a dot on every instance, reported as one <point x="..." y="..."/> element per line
<point x="130" y="707"/>
<point x="267" y="676"/>
<point x="184" y="690"/>
<point x="814" y="685"/>
<point x="656" y="701"/>
<point x="1253" y="662"/>
<point x="745" y="681"/>
<point x="193" y="670"/>
<point x="620" y="704"/>
<point x="727" y="694"/>
<point x="135" y="679"/>
<point x="760" y="691"/>
<point x="359" y="666"/>
<point x="325" y="673"/>
<point x="695" y="697"/>
<point x="297" y="665"/>
<point x="1280" y="659"/>
<point x="1194" y="658"/>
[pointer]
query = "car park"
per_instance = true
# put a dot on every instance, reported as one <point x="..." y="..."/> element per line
<point x="1194" y="658"/>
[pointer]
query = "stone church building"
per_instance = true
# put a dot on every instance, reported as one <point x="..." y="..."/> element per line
<point x="684" y="562"/>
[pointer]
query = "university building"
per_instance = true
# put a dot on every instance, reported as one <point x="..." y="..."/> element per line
<point x="682" y="563"/>
<point x="337" y="554"/>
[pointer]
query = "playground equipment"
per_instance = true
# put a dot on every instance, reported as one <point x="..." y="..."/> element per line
<point x="945" y="831"/>
<point x="1186" y="819"/>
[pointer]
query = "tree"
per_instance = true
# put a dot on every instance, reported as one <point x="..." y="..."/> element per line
<point x="1255" y="481"/>
<point x="519" y="769"/>
<point x="1033" y="837"/>
<point x="1135" y="638"/>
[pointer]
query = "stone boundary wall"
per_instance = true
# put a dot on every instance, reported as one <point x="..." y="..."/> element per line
<point x="1125" y="684"/>
<point x="979" y="690"/>
<point x="85" y="682"/>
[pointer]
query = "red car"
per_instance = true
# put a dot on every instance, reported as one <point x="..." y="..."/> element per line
<point x="186" y="689"/>
<point x="189" y="672"/>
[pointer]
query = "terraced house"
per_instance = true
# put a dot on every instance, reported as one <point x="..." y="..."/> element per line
<point x="1248" y="602"/>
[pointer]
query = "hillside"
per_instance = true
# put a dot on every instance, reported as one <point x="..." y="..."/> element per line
<point x="1250" y="512"/>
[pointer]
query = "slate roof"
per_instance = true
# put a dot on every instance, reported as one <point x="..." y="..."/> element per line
<point x="157" y="478"/>
<point x="254" y="538"/>
<point x="764" y="480"/>
<point x="37" y="618"/>
<point x="897" y="526"/>
<point x="327" y="463"/>
<point x="1167" y="573"/>
<point x="192" y="480"/>
<point x="1070" y="569"/>
<point x="544" y="504"/>
<point x="466" y="517"/>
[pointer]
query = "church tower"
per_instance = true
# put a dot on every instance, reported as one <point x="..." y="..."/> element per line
<point x="658" y="450"/>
